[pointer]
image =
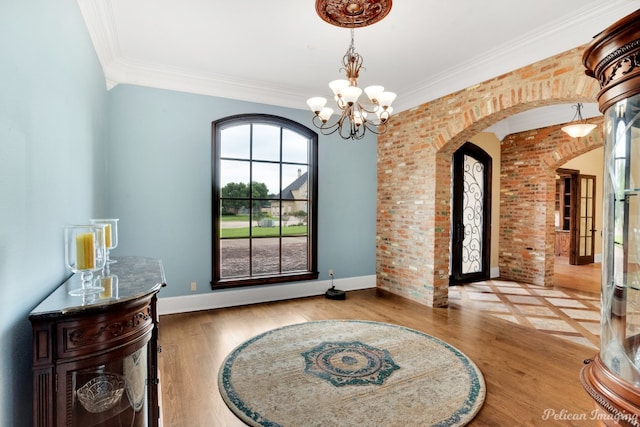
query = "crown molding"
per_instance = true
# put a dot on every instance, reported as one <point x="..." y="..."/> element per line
<point x="511" y="56"/>
<point x="99" y="17"/>
<point x="125" y="71"/>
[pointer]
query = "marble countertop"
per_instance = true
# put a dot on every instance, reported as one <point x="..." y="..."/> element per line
<point x="127" y="279"/>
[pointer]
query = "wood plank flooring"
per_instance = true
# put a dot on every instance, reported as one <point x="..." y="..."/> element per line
<point x="532" y="377"/>
<point x="562" y="312"/>
<point x="585" y="278"/>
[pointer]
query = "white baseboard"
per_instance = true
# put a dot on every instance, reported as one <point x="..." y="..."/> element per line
<point x="257" y="294"/>
<point x="494" y="272"/>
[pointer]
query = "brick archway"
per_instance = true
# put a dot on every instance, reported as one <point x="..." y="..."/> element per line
<point x="414" y="175"/>
<point x="527" y="198"/>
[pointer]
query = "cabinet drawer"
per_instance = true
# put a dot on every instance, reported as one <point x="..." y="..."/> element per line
<point x="79" y="337"/>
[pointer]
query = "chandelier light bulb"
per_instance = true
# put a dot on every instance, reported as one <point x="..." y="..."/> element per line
<point x="385" y="99"/>
<point x="359" y="117"/>
<point x="325" y="114"/>
<point x="579" y="130"/>
<point x="578" y="126"/>
<point x="384" y="113"/>
<point x="316" y="103"/>
<point x="350" y="94"/>
<point x="373" y="92"/>
<point x="337" y="86"/>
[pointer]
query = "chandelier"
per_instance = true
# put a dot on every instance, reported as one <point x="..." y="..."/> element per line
<point x="356" y="117"/>
<point x="579" y="126"/>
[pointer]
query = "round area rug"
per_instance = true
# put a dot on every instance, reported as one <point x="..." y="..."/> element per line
<point x="350" y="373"/>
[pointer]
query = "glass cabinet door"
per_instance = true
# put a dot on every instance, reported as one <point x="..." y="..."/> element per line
<point x="110" y="394"/>
<point x="620" y="329"/>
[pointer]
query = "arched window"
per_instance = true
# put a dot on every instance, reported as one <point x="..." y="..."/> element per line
<point x="264" y="201"/>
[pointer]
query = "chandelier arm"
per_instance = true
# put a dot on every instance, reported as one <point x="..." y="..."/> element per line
<point x="346" y="117"/>
<point x="367" y="110"/>
<point x="327" y="132"/>
<point x="324" y="127"/>
<point x="377" y="129"/>
<point x="356" y="132"/>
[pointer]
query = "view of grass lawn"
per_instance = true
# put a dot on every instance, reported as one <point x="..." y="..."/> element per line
<point x="294" y="230"/>
<point x="230" y="218"/>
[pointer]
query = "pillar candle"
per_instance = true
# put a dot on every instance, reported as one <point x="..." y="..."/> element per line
<point x="106" y="283"/>
<point x="107" y="236"/>
<point x="85" y="252"/>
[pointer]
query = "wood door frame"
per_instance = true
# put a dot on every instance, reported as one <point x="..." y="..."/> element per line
<point x="573" y="175"/>
<point x="457" y="234"/>
<point x="586" y="259"/>
<point x="574" y="234"/>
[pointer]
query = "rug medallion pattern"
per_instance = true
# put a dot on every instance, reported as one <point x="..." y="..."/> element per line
<point x="349" y="363"/>
<point x="350" y="373"/>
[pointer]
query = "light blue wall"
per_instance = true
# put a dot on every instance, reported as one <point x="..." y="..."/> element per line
<point x="160" y="185"/>
<point x="52" y="157"/>
<point x="57" y="168"/>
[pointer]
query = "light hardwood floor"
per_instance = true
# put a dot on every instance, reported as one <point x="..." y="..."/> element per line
<point x="585" y="278"/>
<point x="532" y="377"/>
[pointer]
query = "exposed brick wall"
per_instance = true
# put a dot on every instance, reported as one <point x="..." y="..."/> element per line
<point x="414" y="176"/>
<point x="527" y="195"/>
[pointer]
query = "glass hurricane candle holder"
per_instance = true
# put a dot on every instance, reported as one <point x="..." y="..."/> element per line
<point x="84" y="253"/>
<point x="109" y="283"/>
<point x="111" y="234"/>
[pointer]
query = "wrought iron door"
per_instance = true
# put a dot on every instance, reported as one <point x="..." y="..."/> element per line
<point x="471" y="215"/>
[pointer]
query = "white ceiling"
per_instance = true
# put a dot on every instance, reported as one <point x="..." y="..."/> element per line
<point x="281" y="53"/>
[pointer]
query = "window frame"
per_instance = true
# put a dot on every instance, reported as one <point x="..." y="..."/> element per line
<point x="312" y="223"/>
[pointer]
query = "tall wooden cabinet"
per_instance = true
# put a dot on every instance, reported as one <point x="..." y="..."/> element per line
<point x="612" y="378"/>
<point x="95" y="357"/>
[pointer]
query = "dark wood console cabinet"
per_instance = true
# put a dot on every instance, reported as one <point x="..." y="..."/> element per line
<point x="95" y="357"/>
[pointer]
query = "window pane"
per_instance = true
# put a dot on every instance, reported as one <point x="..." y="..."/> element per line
<point x="295" y="147"/>
<point x="235" y="142"/>
<point x="268" y="174"/>
<point x="234" y="193"/>
<point x="235" y="172"/>
<point x="264" y="225"/>
<point x="232" y="224"/>
<point x="297" y="220"/>
<point x="294" y="254"/>
<point x="294" y="181"/>
<point x="234" y="258"/>
<point x="266" y="142"/>
<point x="266" y="256"/>
<point x="275" y="210"/>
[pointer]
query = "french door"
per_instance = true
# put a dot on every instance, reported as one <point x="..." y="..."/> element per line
<point x="583" y="236"/>
<point x="471" y="215"/>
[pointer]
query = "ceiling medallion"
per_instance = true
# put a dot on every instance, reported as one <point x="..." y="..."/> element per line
<point x="352" y="13"/>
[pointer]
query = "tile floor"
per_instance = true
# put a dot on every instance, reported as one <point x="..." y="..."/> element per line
<point x="563" y="312"/>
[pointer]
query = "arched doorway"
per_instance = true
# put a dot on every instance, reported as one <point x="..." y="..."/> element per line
<point x="414" y="179"/>
<point x="470" y="215"/>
